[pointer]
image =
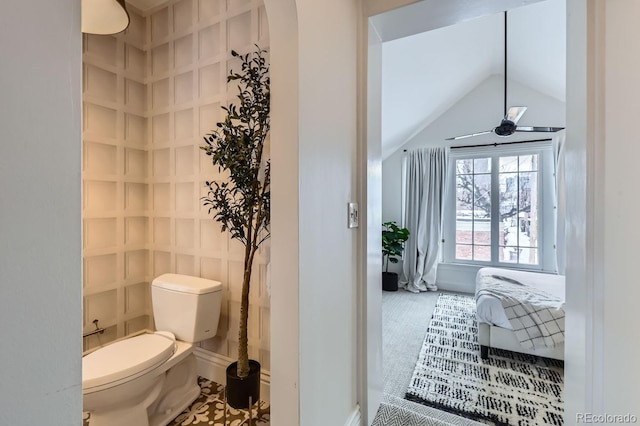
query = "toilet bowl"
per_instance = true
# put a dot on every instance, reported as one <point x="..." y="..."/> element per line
<point x="150" y="378"/>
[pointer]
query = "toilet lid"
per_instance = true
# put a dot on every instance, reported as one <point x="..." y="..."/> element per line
<point x="126" y="358"/>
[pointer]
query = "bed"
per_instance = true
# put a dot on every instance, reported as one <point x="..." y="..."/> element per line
<point x="494" y="327"/>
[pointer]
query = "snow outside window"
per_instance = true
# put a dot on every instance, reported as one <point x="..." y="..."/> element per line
<point x="498" y="211"/>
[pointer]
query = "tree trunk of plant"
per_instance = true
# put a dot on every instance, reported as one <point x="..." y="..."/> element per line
<point x="243" y="340"/>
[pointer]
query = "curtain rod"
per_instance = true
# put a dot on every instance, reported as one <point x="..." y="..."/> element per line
<point x="501" y="143"/>
<point x="497" y="144"/>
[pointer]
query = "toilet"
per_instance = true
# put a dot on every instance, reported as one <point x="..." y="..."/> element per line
<point x="151" y="378"/>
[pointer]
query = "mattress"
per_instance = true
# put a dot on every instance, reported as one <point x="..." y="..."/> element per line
<point x="489" y="309"/>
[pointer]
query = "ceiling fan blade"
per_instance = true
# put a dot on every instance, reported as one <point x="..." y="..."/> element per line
<point x="538" y="129"/>
<point x="515" y="113"/>
<point x="469" y="135"/>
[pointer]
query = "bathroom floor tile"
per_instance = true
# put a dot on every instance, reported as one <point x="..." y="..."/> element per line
<point x="208" y="409"/>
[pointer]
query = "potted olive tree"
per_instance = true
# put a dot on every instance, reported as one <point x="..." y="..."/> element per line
<point x="393" y="239"/>
<point x="241" y="204"/>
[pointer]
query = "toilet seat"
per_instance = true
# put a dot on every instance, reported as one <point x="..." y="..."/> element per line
<point x="125" y="360"/>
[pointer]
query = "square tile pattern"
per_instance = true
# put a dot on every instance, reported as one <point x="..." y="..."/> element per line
<point x="208" y="409"/>
<point x="150" y="95"/>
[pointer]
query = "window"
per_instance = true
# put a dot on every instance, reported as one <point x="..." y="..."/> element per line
<point x="500" y="206"/>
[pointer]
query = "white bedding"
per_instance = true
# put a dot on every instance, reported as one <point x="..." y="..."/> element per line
<point x="489" y="309"/>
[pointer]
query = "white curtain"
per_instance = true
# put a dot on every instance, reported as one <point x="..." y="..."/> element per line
<point x="425" y="174"/>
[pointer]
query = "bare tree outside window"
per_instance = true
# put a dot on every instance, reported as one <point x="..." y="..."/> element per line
<point x="517" y="209"/>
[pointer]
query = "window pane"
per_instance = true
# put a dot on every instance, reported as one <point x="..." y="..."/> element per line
<point x="464" y="252"/>
<point x="482" y="165"/>
<point x="528" y="217"/>
<point x="463" y="232"/>
<point x="473" y="209"/>
<point x="482" y="232"/>
<point x="464" y="197"/>
<point x="464" y="209"/>
<point x="482" y="253"/>
<point x="528" y="163"/>
<point x="519" y="214"/>
<point x="528" y="190"/>
<point x="529" y="255"/>
<point x="482" y="211"/>
<point x="482" y="196"/>
<point x="508" y="164"/>
<point x="508" y="198"/>
<point x="509" y="254"/>
<point x="464" y="166"/>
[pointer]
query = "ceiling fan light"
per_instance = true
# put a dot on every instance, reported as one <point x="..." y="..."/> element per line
<point x="515" y="113"/>
<point x="104" y="16"/>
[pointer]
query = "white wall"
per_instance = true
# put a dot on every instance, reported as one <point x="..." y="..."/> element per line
<point x="371" y="381"/>
<point x="327" y="178"/>
<point x="481" y="109"/>
<point x="285" y="216"/>
<point x="603" y="353"/>
<point x="579" y="365"/>
<point x="310" y="196"/>
<point x="40" y="228"/>
<point x="620" y="208"/>
<point x="115" y="225"/>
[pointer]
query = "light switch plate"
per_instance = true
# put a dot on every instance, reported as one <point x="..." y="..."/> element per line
<point x="353" y="215"/>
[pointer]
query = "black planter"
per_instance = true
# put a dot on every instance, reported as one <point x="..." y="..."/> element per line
<point x="239" y="389"/>
<point x="389" y="281"/>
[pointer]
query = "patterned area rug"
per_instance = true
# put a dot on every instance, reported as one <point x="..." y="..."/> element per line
<point x="506" y="389"/>
<point x="208" y="410"/>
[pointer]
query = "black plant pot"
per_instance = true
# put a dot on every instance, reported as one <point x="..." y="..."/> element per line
<point x="239" y="389"/>
<point x="389" y="281"/>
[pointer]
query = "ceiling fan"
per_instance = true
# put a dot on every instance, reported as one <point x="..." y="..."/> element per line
<point x="509" y="124"/>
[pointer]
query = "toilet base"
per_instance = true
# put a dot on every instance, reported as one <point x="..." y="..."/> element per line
<point x="173" y="391"/>
<point x="179" y="391"/>
<point x="129" y="415"/>
<point x="163" y="419"/>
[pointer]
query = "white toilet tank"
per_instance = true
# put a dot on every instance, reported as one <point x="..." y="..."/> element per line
<point x="187" y="306"/>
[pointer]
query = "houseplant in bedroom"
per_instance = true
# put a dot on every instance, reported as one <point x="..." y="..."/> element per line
<point x="393" y="239"/>
<point x="241" y="203"/>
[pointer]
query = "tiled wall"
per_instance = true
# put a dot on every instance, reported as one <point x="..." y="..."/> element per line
<point x="115" y="184"/>
<point x="147" y="205"/>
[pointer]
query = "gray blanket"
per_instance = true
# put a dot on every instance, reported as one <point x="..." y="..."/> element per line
<point x="537" y="318"/>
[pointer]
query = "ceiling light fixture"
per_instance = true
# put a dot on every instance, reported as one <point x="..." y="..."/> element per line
<point x="104" y="16"/>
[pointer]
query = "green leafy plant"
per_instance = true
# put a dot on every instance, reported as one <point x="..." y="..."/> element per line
<point x="242" y="202"/>
<point x="393" y="239"/>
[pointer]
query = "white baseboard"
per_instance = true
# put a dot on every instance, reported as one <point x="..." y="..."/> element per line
<point x="355" y="418"/>
<point x="212" y="366"/>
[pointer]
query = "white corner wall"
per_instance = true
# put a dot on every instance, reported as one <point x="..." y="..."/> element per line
<point x="619" y="207"/>
<point x="285" y="215"/>
<point x="40" y="232"/>
<point x="328" y="51"/>
<point x="314" y="177"/>
<point x="601" y="272"/>
<point x="115" y="184"/>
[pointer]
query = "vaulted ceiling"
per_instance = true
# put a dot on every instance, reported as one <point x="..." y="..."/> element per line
<point x="427" y="73"/>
